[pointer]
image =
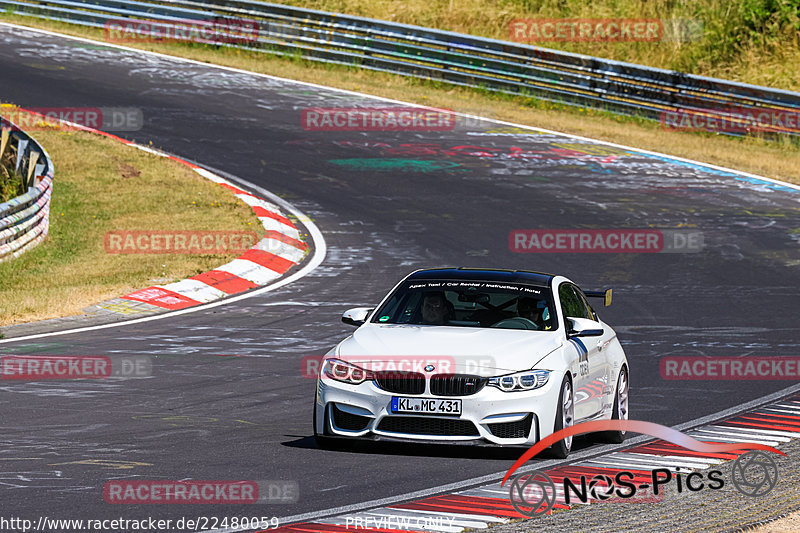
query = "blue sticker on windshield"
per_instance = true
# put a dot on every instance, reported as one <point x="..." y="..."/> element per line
<point x="383" y="318"/>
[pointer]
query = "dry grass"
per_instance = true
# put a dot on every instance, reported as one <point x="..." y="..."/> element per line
<point x="103" y="185"/>
<point x="11" y="182"/>
<point x="779" y="160"/>
<point x="738" y="41"/>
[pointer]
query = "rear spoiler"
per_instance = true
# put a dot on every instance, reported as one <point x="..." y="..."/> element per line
<point x="606" y="295"/>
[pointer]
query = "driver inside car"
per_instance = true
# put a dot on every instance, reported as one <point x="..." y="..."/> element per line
<point x="435" y="308"/>
<point x="529" y="308"/>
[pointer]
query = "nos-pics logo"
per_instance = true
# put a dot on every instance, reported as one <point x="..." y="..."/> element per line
<point x="533" y="493"/>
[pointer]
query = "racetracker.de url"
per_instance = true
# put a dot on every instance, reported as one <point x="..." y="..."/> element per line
<point x="197" y="523"/>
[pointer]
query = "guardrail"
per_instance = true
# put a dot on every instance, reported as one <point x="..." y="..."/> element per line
<point x="460" y="59"/>
<point x="25" y="220"/>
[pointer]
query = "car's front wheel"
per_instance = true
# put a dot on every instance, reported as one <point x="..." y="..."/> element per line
<point x="620" y="409"/>
<point x="565" y="417"/>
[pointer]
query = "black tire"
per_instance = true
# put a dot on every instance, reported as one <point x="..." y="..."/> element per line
<point x="617" y="437"/>
<point x="326" y="443"/>
<point x="561" y="449"/>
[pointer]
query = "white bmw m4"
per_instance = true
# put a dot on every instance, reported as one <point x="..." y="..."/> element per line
<point x="473" y="356"/>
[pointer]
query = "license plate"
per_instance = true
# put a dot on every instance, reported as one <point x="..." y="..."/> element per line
<point x="426" y="406"/>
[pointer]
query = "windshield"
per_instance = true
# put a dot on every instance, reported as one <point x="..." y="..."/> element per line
<point x="477" y="304"/>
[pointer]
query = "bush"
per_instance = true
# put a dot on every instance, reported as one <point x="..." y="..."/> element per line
<point x="11" y="184"/>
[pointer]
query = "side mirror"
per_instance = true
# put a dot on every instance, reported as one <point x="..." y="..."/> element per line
<point x="356" y="316"/>
<point x="583" y="327"/>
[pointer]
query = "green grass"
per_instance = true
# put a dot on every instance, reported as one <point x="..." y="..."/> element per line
<point x="102" y="185"/>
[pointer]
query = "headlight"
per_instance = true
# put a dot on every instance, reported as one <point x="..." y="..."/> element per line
<point x="527" y="380"/>
<point x="345" y="372"/>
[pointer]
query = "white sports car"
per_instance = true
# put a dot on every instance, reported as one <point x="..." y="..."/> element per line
<point x="478" y="356"/>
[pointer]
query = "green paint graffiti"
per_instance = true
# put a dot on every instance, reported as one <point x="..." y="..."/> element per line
<point x="39" y="348"/>
<point x="394" y="165"/>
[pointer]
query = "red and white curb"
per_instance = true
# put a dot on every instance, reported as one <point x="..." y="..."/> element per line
<point x="281" y="249"/>
<point x="479" y="508"/>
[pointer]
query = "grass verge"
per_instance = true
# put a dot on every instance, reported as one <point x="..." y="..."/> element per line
<point x="752" y="41"/>
<point x="775" y="159"/>
<point x="102" y="185"/>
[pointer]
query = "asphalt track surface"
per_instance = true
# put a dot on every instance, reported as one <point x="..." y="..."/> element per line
<point x="387" y="203"/>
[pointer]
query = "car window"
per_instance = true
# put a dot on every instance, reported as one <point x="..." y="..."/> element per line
<point x="572" y="305"/>
<point x="586" y="304"/>
<point x="468" y="303"/>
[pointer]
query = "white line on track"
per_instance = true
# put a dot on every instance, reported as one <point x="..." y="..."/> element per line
<point x="698" y="462"/>
<point x="746" y="430"/>
<point x="677" y="460"/>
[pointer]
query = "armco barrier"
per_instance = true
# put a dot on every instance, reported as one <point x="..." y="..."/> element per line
<point x="460" y="59"/>
<point x="24" y="220"/>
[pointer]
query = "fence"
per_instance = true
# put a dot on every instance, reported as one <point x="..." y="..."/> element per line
<point x="24" y="220"/>
<point x="567" y="78"/>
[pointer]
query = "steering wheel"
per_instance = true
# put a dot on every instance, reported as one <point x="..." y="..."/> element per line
<point x="516" y="322"/>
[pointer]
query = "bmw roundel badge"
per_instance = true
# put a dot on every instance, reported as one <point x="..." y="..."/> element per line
<point x="430" y="368"/>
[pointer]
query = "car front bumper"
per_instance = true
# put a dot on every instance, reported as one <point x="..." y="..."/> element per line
<point x="490" y="416"/>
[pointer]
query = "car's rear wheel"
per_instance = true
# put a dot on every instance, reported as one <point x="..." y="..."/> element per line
<point x="565" y="417"/>
<point x="620" y="409"/>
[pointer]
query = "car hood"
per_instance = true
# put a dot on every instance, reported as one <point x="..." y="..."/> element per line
<point x="483" y="351"/>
